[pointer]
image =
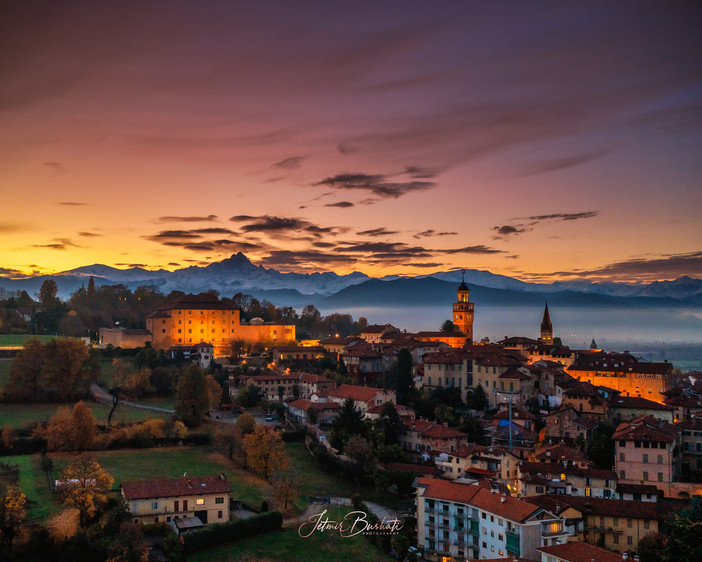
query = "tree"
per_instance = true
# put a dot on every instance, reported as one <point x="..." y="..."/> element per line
<point x="651" y="547"/>
<point x="478" y="401"/>
<point x="361" y="451"/>
<point x="129" y="545"/>
<point x="48" y="292"/>
<point x="349" y="422"/>
<point x="311" y="415"/>
<point x="214" y="392"/>
<point x="448" y="326"/>
<point x="684" y="540"/>
<point x="192" y="397"/>
<point x="265" y="451"/>
<point x="390" y="423"/>
<point x="285" y="486"/>
<point x="601" y="449"/>
<point x="12" y="512"/>
<point x="85" y="488"/>
<point x="472" y="427"/>
<point x="84" y="427"/>
<point x="27" y="372"/>
<point x="244" y="425"/>
<point x="59" y="431"/>
<point x="66" y="368"/>
<point x="445" y="414"/>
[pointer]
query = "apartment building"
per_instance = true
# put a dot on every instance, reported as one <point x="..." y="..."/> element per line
<point x="473" y="521"/>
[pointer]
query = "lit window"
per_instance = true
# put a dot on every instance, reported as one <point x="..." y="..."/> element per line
<point x="200" y="501"/>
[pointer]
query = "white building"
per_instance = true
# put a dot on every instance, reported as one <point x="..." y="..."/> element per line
<point x="472" y="521"/>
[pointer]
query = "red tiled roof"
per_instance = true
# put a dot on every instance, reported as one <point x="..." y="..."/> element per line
<point x="620" y="508"/>
<point x="440" y="431"/>
<point x="542" y="468"/>
<point x="646" y="428"/>
<point x="172" y="487"/>
<point x="559" y="452"/>
<point x="514" y="374"/>
<point x="300" y="404"/>
<point x="313" y="379"/>
<point x="638" y="403"/>
<point x="580" y="552"/>
<point x="360" y="393"/>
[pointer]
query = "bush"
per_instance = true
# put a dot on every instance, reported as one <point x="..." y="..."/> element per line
<point x="231" y="531"/>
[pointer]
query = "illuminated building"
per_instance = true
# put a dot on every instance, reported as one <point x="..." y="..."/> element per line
<point x="463" y="312"/>
<point x="191" y="319"/>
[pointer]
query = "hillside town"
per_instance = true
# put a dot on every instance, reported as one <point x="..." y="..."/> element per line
<point x="519" y="449"/>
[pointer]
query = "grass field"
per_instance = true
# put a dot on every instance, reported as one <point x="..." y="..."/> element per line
<point x="316" y="482"/>
<point x="172" y="462"/>
<point x="40" y="502"/>
<point x="17" y="340"/>
<point x="288" y="545"/>
<point x="21" y="415"/>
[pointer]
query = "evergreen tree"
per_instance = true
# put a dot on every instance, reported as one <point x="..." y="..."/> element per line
<point x="192" y="397"/>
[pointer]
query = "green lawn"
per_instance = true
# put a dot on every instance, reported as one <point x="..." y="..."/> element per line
<point x="17" y="340"/>
<point x="287" y="544"/>
<point x="33" y="481"/>
<point x="173" y="462"/>
<point x="313" y="480"/>
<point x="21" y="415"/>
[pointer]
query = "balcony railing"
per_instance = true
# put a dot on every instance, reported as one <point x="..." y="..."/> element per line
<point x="513" y="543"/>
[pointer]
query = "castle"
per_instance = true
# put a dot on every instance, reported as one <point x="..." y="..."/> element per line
<point x="192" y="319"/>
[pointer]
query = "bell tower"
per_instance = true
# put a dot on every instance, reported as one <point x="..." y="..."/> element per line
<point x="463" y="310"/>
<point x="546" y="327"/>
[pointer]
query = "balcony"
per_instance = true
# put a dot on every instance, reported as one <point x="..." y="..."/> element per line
<point x="551" y="529"/>
<point x="474" y="527"/>
<point x="513" y="543"/>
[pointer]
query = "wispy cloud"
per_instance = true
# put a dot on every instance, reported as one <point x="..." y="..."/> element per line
<point x="208" y="218"/>
<point x="506" y="231"/>
<point x="377" y="232"/>
<point x="377" y="184"/>
<point x="71" y="203"/>
<point x="289" y="163"/>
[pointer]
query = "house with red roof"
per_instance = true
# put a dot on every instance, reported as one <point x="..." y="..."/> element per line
<point x="476" y="521"/>
<point x="364" y="397"/>
<point x="577" y="552"/>
<point x="430" y="438"/>
<point x="168" y="500"/>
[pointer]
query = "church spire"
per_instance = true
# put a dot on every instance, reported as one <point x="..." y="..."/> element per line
<point x="546" y="327"/>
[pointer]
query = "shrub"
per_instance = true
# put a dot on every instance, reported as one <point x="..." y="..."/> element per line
<point x="231" y="531"/>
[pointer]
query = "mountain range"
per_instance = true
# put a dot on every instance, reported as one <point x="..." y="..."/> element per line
<point x="237" y="274"/>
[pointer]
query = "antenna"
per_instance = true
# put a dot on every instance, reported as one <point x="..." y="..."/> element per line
<point x="463" y="275"/>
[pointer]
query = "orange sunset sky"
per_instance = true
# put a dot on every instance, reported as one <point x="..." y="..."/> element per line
<point x="545" y="141"/>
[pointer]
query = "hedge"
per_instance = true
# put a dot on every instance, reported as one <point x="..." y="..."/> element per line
<point x="232" y="531"/>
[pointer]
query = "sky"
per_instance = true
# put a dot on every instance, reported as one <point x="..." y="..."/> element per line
<point x="541" y="140"/>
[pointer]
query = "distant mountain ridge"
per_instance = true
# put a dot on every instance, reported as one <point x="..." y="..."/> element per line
<point x="238" y="274"/>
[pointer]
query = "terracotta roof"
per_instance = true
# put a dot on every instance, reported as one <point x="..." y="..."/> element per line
<point x="378" y="328"/>
<point x="360" y="393"/>
<point x="637" y="489"/>
<point x="172" y="487"/>
<point x="517" y="340"/>
<point x="313" y="379"/>
<point x="203" y="301"/>
<point x="300" y="404"/>
<point x="443" y="358"/>
<point x="399" y="408"/>
<point x="514" y="374"/>
<point x="658" y="510"/>
<point x="440" y="431"/>
<point x="646" y="428"/>
<point x="559" y="452"/>
<point x="618" y="363"/>
<point x="580" y="552"/>
<point x="637" y="403"/>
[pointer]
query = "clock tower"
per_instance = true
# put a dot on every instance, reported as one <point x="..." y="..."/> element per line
<point x="463" y="310"/>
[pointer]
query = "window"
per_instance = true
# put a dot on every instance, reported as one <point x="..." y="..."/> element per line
<point x="647" y="524"/>
<point x="660" y="477"/>
<point x="219" y="515"/>
<point x="154" y="505"/>
<point x="621" y="457"/>
<point x="645" y="476"/>
<point x="219" y="500"/>
<point x="645" y="458"/>
<point x="660" y="459"/>
<point x="629" y="541"/>
<point x="629" y="522"/>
